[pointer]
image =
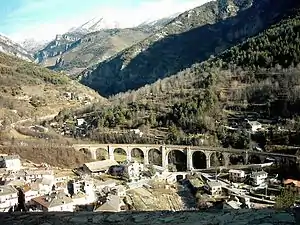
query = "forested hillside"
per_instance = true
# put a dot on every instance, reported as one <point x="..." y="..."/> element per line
<point x="258" y="80"/>
<point x="192" y="37"/>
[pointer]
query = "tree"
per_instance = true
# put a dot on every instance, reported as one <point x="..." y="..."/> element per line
<point x="21" y="201"/>
<point x="172" y="168"/>
<point x="151" y="170"/>
<point x="285" y="200"/>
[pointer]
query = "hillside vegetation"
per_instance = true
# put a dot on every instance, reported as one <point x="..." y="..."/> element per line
<point x="192" y="37"/>
<point x="30" y="91"/>
<point x="258" y="79"/>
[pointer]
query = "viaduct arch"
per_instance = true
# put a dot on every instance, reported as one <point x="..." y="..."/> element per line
<point x="196" y="157"/>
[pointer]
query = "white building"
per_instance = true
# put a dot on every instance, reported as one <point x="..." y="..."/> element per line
<point x="30" y="193"/>
<point x="259" y="178"/>
<point x="80" y="122"/>
<point x="215" y="188"/>
<point x="237" y="176"/>
<point x="43" y="185"/>
<point x="27" y="175"/>
<point x="254" y="126"/>
<point x="232" y="204"/>
<point x="54" y="202"/>
<point x="137" y="132"/>
<point x="8" y="197"/>
<point x="10" y="162"/>
<point x="120" y="191"/>
<point x="83" y="199"/>
<point x="135" y="170"/>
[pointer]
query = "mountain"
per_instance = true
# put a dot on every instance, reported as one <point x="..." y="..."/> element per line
<point x="74" y="57"/>
<point x="28" y="91"/>
<point x="155" y="25"/>
<point x="256" y="80"/>
<point x="32" y="46"/>
<point x="94" y="25"/>
<point x="9" y="47"/>
<point x="59" y="45"/>
<point x="192" y="37"/>
<point x="93" y="43"/>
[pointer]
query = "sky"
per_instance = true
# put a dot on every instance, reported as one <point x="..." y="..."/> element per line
<point x="43" y="19"/>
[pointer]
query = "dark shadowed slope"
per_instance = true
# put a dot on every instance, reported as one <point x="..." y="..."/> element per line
<point x="192" y="37"/>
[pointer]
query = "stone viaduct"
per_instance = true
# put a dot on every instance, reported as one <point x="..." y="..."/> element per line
<point x="209" y="155"/>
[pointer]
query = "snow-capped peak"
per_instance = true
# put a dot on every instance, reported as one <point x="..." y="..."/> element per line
<point x="158" y="22"/>
<point x="96" y="24"/>
<point x="9" y="47"/>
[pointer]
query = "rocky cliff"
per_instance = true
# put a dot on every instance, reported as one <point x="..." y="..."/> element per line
<point x="58" y="46"/>
<point x="221" y="217"/>
<point x="90" y="49"/>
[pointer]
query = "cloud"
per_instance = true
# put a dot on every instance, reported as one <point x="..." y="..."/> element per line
<point x="125" y="15"/>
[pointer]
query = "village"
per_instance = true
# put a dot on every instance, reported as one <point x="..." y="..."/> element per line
<point x="112" y="186"/>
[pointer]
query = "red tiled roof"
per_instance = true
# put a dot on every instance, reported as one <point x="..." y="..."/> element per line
<point x="291" y="181"/>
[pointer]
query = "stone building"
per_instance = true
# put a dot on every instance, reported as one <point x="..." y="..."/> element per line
<point x="259" y="178"/>
<point x="237" y="176"/>
<point x="215" y="188"/>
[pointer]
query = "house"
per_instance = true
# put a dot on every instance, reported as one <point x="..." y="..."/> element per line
<point x="292" y="185"/>
<point x="98" y="166"/>
<point x="83" y="199"/>
<point x="113" y="204"/>
<point x="119" y="191"/>
<point x="259" y="178"/>
<point x="232" y="204"/>
<point x="30" y="193"/>
<point x="16" y="183"/>
<point x="32" y="175"/>
<point x="75" y="186"/>
<point x="134" y="170"/>
<point x="8" y="197"/>
<point x="89" y="189"/>
<point x="54" y="202"/>
<point x="61" y="187"/>
<point x="237" y="176"/>
<point x="10" y="162"/>
<point x="80" y="122"/>
<point x="137" y="132"/>
<point x="100" y="185"/>
<point x="254" y="126"/>
<point x="61" y="178"/>
<point x="215" y="188"/>
<point x="43" y="185"/>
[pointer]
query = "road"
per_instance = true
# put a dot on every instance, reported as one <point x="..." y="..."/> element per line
<point x="47" y="117"/>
